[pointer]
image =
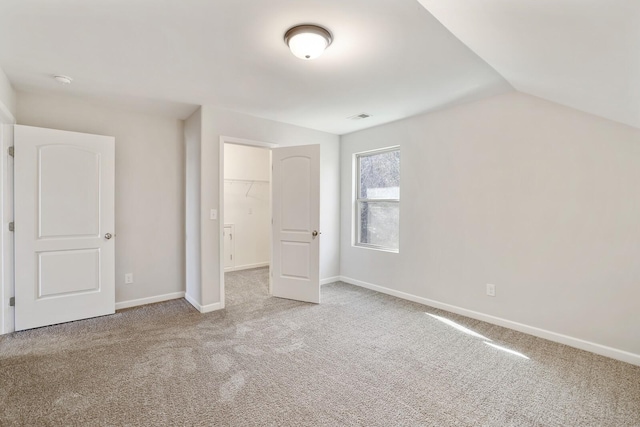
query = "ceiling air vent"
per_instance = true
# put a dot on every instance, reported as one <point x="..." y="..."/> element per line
<point x="359" y="116"/>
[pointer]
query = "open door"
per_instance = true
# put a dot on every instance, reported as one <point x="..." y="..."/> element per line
<point x="296" y="219"/>
<point x="64" y="225"/>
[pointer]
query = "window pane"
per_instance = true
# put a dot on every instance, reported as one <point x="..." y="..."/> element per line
<point x="379" y="223"/>
<point x="380" y="175"/>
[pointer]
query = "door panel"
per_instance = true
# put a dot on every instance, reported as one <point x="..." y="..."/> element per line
<point x="295" y="258"/>
<point x="64" y="210"/>
<point x="66" y="272"/>
<point x="296" y="215"/>
<point x="68" y="207"/>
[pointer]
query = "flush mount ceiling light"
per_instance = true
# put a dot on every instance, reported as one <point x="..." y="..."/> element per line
<point x="307" y="41"/>
<point x="65" y="80"/>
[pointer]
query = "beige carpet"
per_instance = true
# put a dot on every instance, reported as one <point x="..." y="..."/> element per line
<point x="359" y="359"/>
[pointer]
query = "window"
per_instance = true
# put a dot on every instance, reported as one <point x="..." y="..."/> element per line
<point x="378" y="199"/>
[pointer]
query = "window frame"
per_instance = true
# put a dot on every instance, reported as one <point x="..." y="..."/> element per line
<point x="359" y="200"/>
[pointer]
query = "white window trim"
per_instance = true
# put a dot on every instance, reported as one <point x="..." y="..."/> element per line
<point x="358" y="200"/>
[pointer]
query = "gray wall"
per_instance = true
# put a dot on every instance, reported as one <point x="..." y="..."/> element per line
<point x="149" y="186"/>
<point x="541" y="200"/>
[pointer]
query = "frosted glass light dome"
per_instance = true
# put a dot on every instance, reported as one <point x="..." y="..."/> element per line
<point x="307" y="41"/>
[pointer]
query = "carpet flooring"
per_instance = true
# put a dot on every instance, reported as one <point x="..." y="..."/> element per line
<point x="359" y="359"/>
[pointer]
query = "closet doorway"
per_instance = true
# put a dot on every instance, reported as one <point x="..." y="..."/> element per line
<point x="292" y="198"/>
<point x="246" y="248"/>
<point x="247" y="207"/>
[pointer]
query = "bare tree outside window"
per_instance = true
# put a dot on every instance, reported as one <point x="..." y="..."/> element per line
<point x="378" y="199"/>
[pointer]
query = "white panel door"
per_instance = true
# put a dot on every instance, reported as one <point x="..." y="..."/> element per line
<point x="64" y="226"/>
<point x="296" y="219"/>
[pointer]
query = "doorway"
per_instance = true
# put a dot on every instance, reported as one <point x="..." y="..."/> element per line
<point x="247" y="220"/>
<point x="294" y="207"/>
<point x="245" y="201"/>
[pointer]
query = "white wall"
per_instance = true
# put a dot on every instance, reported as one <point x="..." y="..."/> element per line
<point x="149" y="187"/>
<point x="246" y="203"/>
<point x="541" y="200"/>
<point x="246" y="162"/>
<point x="216" y="123"/>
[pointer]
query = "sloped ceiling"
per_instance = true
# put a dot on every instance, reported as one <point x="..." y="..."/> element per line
<point x="584" y="54"/>
<point x="390" y="58"/>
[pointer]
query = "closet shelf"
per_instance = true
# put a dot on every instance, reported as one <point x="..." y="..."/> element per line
<point x="247" y="181"/>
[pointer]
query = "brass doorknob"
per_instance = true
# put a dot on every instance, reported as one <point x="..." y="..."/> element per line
<point x="315" y="233"/>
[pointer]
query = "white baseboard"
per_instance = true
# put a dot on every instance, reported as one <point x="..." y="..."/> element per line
<point x="211" y="307"/>
<point x="602" y="350"/>
<point x="247" y="266"/>
<point x="203" y="308"/>
<point x="143" y="301"/>
<point x="329" y="280"/>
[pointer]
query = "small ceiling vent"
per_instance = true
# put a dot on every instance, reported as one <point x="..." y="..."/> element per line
<point x="359" y="116"/>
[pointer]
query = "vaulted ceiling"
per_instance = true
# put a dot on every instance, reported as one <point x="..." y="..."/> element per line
<point x="390" y="58"/>
<point x="581" y="53"/>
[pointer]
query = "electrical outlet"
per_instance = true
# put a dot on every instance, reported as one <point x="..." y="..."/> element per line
<point x="491" y="290"/>
<point x="128" y="278"/>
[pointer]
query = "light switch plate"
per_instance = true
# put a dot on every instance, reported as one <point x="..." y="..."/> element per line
<point x="213" y="214"/>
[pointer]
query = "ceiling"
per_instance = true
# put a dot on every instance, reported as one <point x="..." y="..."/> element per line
<point x="390" y="58"/>
<point x="581" y="53"/>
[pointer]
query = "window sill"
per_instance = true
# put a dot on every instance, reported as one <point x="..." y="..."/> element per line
<point x="376" y="248"/>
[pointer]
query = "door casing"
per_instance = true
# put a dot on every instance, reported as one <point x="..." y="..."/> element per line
<point x="7" y="319"/>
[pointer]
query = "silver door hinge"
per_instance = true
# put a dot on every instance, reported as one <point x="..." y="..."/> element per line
<point x="12" y="302"/>
<point x="230" y="236"/>
<point x="10" y="151"/>
<point x="12" y="226"/>
<point x="232" y="257"/>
